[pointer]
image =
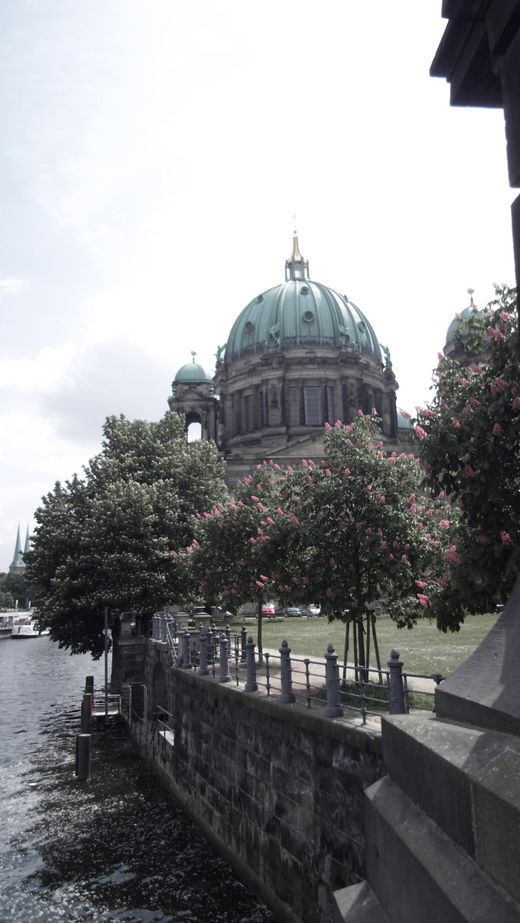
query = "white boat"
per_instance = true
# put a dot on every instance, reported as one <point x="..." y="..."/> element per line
<point x="24" y="627"/>
<point x="6" y="626"/>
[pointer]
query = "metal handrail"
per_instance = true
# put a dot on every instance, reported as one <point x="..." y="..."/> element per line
<point x="362" y="690"/>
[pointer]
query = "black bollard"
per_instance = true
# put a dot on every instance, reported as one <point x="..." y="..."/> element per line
<point x="89" y="684"/>
<point x="83" y="742"/>
<point x="86" y="713"/>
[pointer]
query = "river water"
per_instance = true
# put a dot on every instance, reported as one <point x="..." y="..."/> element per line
<point x="116" y="848"/>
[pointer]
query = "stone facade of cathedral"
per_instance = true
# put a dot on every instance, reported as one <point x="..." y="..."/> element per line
<point x="299" y="355"/>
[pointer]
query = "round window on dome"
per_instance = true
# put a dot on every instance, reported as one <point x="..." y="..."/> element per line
<point x="308" y="317"/>
<point x="304" y="290"/>
<point x="249" y="327"/>
<point x="260" y="298"/>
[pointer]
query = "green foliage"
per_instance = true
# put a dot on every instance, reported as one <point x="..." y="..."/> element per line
<point x="353" y="530"/>
<point x="470" y="445"/>
<point x="14" y="588"/>
<point x="106" y="539"/>
<point x="231" y="557"/>
<point x="364" y="530"/>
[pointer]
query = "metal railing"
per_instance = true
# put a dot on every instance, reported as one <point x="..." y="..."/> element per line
<point x="333" y="687"/>
<point x="105" y="703"/>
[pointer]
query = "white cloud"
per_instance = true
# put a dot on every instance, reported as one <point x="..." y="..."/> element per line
<point x="12" y="286"/>
<point x="40" y="374"/>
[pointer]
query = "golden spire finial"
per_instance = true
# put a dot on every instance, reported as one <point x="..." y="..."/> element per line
<point x="296" y="255"/>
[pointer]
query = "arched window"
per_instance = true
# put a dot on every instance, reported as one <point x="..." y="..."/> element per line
<point x="194" y="431"/>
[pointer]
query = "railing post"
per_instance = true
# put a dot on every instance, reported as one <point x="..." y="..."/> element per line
<point x="162" y="624"/>
<point x="185" y="651"/>
<point x="243" y="643"/>
<point x="333" y="709"/>
<point x="210" y="645"/>
<point x="251" y="683"/>
<point x="287" y="695"/>
<point x="203" y="653"/>
<point x="395" y="680"/>
<point x="224" y="676"/>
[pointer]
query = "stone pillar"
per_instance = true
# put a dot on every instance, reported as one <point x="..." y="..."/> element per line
<point x="185" y="651"/>
<point x="251" y="683"/>
<point x="395" y="680"/>
<point x="224" y="675"/>
<point x="203" y="653"/>
<point x="333" y="709"/>
<point x="286" y="694"/>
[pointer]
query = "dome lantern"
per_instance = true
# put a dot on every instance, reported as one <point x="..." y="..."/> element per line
<point x="296" y="267"/>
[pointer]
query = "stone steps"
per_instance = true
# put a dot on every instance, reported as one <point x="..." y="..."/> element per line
<point x="441" y="828"/>
<point x="472" y="789"/>
<point x="418" y="873"/>
<point x="358" y="904"/>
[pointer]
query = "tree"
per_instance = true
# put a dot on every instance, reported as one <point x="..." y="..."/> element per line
<point x="105" y="540"/>
<point x="469" y="439"/>
<point x="230" y="559"/>
<point x="347" y="533"/>
<point x="362" y="532"/>
<point x="16" y="584"/>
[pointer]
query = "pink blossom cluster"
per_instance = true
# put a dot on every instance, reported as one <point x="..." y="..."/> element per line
<point x="495" y="334"/>
<point x="498" y="385"/>
<point x="452" y="556"/>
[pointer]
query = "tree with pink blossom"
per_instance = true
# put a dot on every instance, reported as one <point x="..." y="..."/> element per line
<point x="469" y="442"/>
<point x="358" y="529"/>
<point x="231" y="558"/>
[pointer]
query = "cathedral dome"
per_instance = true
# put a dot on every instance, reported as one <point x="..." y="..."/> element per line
<point x="300" y="313"/>
<point x="458" y="326"/>
<point x="191" y="373"/>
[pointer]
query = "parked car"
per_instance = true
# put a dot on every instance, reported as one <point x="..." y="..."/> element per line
<point x="311" y="610"/>
<point x="268" y="611"/>
<point x="290" y="611"/>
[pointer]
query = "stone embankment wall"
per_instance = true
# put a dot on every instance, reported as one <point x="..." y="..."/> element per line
<point x="278" y="788"/>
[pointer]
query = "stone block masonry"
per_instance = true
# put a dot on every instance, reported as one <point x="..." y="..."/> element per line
<point x="277" y="788"/>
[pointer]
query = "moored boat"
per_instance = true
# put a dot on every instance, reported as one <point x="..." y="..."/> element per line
<point x="6" y="626"/>
<point x="24" y="627"/>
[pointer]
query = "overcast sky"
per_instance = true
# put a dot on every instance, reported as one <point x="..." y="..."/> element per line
<point x="153" y="155"/>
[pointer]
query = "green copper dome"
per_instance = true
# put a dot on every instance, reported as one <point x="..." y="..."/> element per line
<point x="300" y="313"/>
<point x="458" y="323"/>
<point x="191" y="373"/>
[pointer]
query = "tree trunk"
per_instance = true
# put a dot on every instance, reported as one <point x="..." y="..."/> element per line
<point x="376" y="647"/>
<point x="259" y="629"/>
<point x="345" y="651"/>
<point x="362" y="672"/>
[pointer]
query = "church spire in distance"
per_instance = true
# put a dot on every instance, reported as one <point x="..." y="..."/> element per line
<point x="296" y="267"/>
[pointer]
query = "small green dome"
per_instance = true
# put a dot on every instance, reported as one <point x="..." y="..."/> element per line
<point x="191" y="373"/>
<point x="458" y="323"/>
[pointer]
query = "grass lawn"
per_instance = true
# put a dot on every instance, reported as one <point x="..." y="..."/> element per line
<point x="424" y="649"/>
